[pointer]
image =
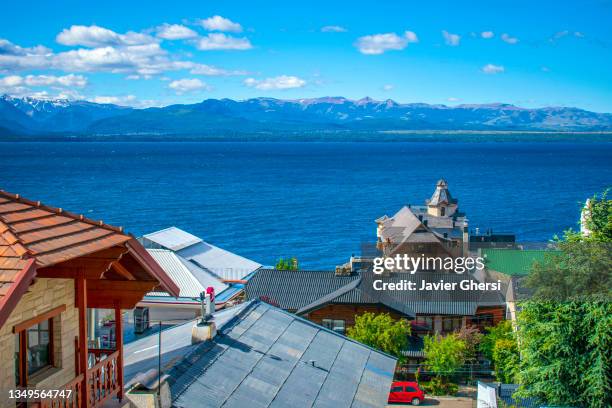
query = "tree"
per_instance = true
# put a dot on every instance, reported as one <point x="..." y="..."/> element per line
<point x="503" y="331"/>
<point x="599" y="218"/>
<point x="289" y="264"/>
<point x="444" y="355"/>
<point x="499" y="345"/>
<point x="506" y="360"/>
<point x="472" y="338"/>
<point x="380" y="331"/>
<point x="583" y="266"/>
<point x="565" y="352"/>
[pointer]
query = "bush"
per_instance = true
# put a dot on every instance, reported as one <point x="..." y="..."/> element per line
<point x="438" y="387"/>
<point x="380" y="331"/>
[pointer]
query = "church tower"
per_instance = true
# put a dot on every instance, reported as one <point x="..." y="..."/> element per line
<point x="441" y="203"/>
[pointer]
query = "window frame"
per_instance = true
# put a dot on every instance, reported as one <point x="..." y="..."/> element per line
<point x="21" y="331"/>
<point x="24" y="373"/>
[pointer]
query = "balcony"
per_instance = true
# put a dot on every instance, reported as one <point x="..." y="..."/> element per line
<point x="103" y="382"/>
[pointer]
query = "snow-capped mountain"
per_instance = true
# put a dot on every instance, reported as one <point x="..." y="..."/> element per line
<point x="219" y="116"/>
<point x="52" y="115"/>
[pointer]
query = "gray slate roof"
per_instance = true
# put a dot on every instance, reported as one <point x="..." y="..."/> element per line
<point x="305" y="291"/>
<point x="267" y="357"/>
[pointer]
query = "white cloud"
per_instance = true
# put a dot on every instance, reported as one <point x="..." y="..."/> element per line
<point x="218" y="23"/>
<point x="276" y="83"/>
<point x="209" y="70"/>
<point x="493" y="69"/>
<point x="185" y="85"/>
<point x="175" y="32"/>
<point x="115" y="100"/>
<point x="387" y="87"/>
<point x="379" y="43"/>
<point x="487" y="34"/>
<point x="95" y="36"/>
<point x="451" y="39"/>
<point x="333" y="29"/>
<point x="11" y="81"/>
<point x="453" y="99"/>
<point x="135" y="61"/>
<point x="72" y="80"/>
<point x="219" y="41"/>
<point x="18" y="85"/>
<point x="508" y="39"/>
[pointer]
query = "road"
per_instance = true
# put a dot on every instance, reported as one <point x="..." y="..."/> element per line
<point x="461" y="402"/>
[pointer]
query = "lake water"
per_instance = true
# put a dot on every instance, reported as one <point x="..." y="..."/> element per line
<point x="315" y="201"/>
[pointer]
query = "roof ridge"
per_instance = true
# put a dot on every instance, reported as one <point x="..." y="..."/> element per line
<point x="60" y="211"/>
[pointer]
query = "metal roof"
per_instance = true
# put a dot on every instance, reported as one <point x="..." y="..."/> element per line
<point x="215" y="260"/>
<point x="173" y="238"/>
<point x="270" y="358"/>
<point x="292" y="290"/>
<point x="514" y="261"/>
<point x="190" y="279"/>
<point x="308" y="290"/>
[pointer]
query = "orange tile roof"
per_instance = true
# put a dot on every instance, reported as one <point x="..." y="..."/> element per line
<point x="35" y="235"/>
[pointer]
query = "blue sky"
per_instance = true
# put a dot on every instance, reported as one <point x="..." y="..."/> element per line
<point x="529" y="53"/>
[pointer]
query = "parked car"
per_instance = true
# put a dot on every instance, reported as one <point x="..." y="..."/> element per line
<point x="406" y="391"/>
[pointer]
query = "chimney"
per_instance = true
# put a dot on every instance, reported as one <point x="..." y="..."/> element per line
<point x="205" y="329"/>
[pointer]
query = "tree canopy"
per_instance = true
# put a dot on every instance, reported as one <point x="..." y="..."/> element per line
<point x="583" y="266"/>
<point x="444" y="355"/>
<point x="380" y="331"/>
<point x="565" y="352"/>
<point x="288" y="264"/>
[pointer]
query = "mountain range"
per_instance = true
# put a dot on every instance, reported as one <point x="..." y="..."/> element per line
<point x="37" y="117"/>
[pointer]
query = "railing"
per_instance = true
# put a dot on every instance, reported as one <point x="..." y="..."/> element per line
<point x="103" y="382"/>
<point x="74" y="401"/>
<point x="103" y="379"/>
<point x="97" y="355"/>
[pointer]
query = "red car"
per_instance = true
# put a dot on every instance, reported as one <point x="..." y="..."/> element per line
<point x="406" y="391"/>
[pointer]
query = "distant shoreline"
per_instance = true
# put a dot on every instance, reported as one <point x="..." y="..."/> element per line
<point x="387" y="136"/>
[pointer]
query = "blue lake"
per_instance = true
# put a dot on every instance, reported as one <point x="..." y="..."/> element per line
<point x="315" y="201"/>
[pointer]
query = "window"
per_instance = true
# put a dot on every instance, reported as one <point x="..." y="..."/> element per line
<point x="397" y="389"/>
<point x="410" y="389"/>
<point x="450" y="324"/>
<point x="426" y="321"/>
<point x="33" y="350"/>
<point x="335" y="325"/>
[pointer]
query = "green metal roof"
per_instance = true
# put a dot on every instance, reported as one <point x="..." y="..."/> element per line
<point x="513" y="261"/>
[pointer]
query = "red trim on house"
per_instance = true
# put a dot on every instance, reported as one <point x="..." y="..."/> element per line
<point x="147" y="261"/>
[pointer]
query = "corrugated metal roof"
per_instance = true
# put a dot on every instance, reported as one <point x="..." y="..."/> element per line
<point x="173" y="238"/>
<point x="308" y="290"/>
<point x="190" y="279"/>
<point x="514" y="261"/>
<point x="271" y="358"/>
<point x="292" y="290"/>
<point x="224" y="264"/>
